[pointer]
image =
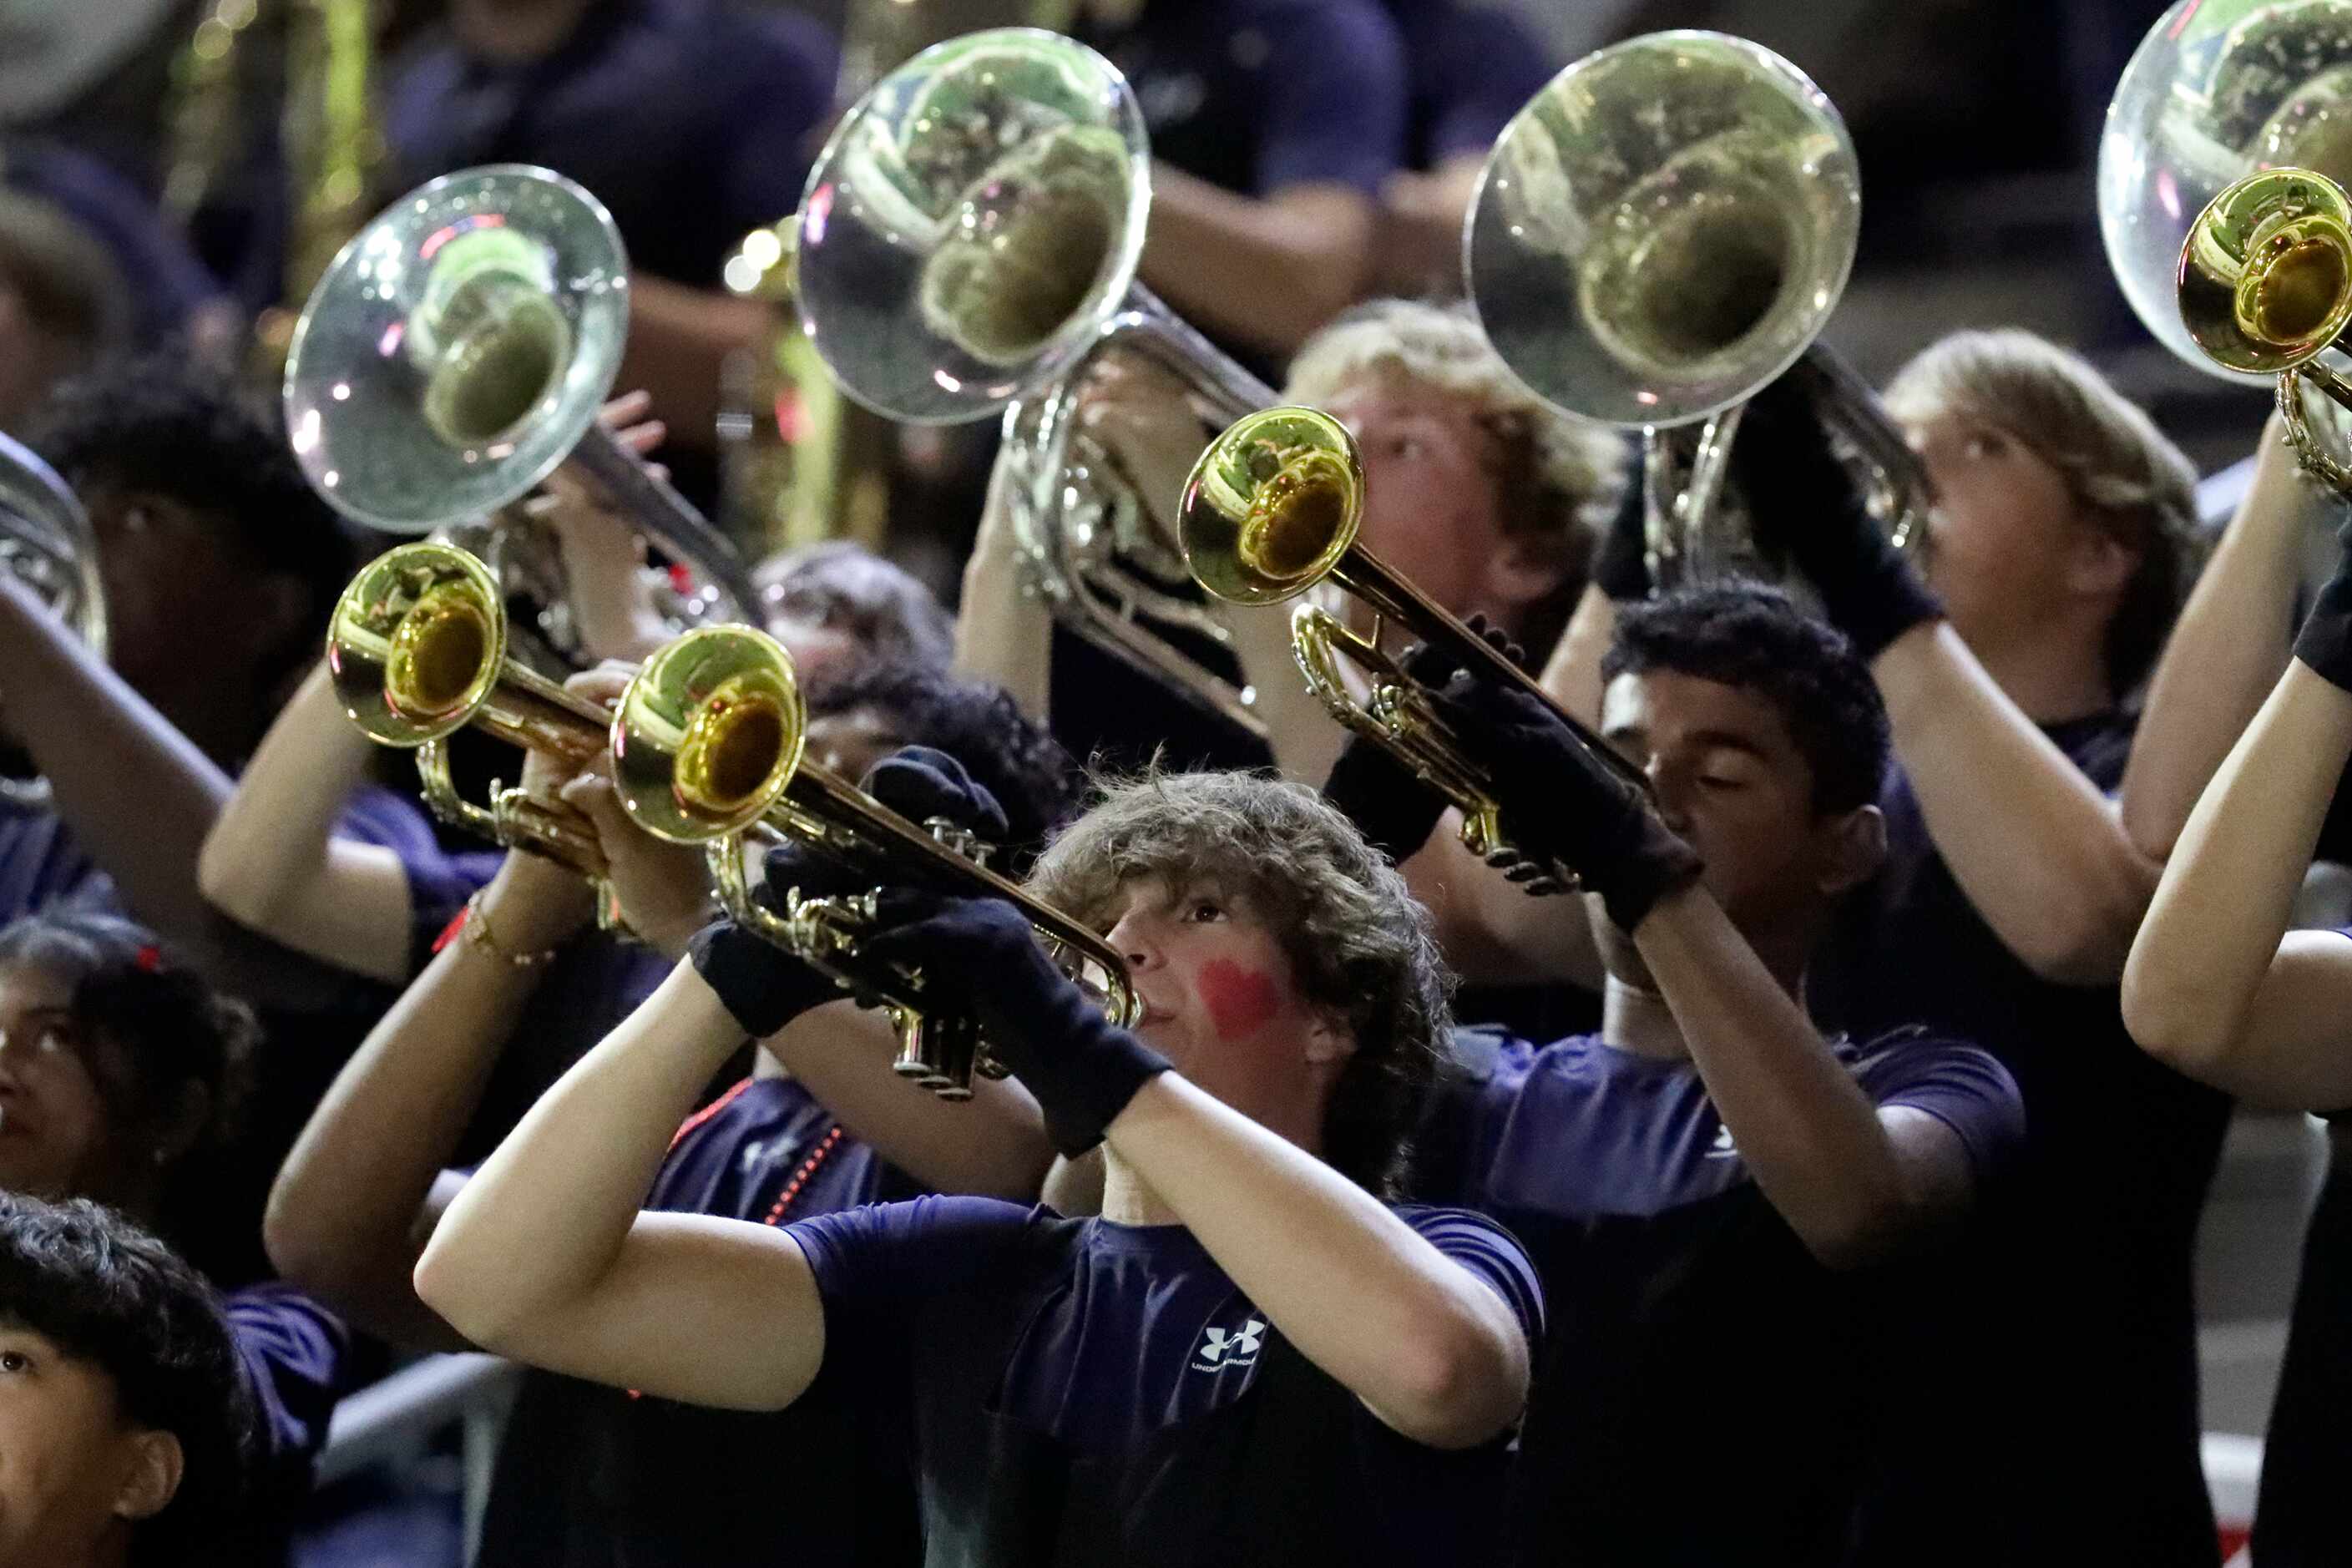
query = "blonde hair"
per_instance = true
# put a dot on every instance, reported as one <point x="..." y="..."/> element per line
<point x="1556" y="480"/>
<point x="2121" y="470"/>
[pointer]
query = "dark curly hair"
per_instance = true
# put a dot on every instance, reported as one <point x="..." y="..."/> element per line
<point x="1753" y="637"/>
<point x="109" y="1294"/>
<point x="160" y="1029"/>
<point x="979" y="726"/>
<point x="848" y="588"/>
<point x="163" y="424"/>
<point x="1357" y="941"/>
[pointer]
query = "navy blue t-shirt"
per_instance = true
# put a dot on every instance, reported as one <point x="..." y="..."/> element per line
<point x="1139" y="1333"/>
<point x="1679" y="1299"/>
<point x="689" y="120"/>
<point x="589" y="1476"/>
<point x="1473" y="65"/>
<point x="1256" y="95"/>
<point x="2072" y="1395"/>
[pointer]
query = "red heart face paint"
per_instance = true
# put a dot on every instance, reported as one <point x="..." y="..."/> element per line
<point x="1239" y="1001"/>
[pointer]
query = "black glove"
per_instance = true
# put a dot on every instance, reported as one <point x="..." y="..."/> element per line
<point x="761" y="983"/>
<point x="1805" y="508"/>
<point x="1390" y="804"/>
<point x="1082" y="1067"/>
<point x="920" y="783"/>
<point x="2325" y="641"/>
<point x="1621" y="567"/>
<point x="764" y="986"/>
<point x="1562" y="803"/>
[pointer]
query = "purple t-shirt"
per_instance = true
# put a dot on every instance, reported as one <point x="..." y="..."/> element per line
<point x="1137" y="1334"/>
<point x="1474" y="64"/>
<point x="440" y="880"/>
<point x="590" y="1478"/>
<point x="1255" y="95"/>
<point x="294" y="1356"/>
<point x="689" y="120"/>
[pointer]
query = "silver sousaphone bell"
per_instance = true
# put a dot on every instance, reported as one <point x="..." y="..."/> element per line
<point x="458" y="349"/>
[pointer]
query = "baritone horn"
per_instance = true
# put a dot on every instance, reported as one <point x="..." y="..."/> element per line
<point x="458" y="349"/>
<point x="47" y="544"/>
<point x="1659" y="234"/>
<point x="417" y="650"/>
<point x="968" y="247"/>
<point x="1272" y="509"/>
<point x="708" y="746"/>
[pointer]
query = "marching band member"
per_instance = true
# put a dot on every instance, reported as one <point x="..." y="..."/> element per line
<point x="1700" y="1179"/>
<point x="117" y="1064"/>
<point x="585" y="1474"/>
<point x="1476" y="490"/>
<point x="1249" y="1358"/>
<point x="2218" y="985"/>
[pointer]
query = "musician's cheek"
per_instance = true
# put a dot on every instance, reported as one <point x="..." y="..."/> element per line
<point x="1239" y="1001"/>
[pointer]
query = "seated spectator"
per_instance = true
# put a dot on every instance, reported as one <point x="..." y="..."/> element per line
<point x="120" y="1067"/>
<point x="125" y="1405"/>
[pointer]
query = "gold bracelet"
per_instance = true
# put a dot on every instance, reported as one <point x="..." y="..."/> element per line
<point x="478" y="934"/>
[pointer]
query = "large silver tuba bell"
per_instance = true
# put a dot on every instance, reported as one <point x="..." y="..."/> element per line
<point x="458" y="349"/>
<point x="967" y="245"/>
<point x="1658" y="235"/>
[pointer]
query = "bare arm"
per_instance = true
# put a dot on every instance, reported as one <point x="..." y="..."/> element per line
<point x="2041" y="853"/>
<point x="680" y="338"/>
<point x="354" y="1201"/>
<point x="2217" y="986"/>
<point x="2225" y="653"/>
<point x="274" y="863"/>
<point x="1429" y="1349"/>
<point x="1267" y="271"/>
<point x="545" y="1256"/>
<point x="1853" y="1181"/>
<point x="1003" y="634"/>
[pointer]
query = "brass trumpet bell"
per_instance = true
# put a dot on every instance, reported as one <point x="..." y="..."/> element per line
<point x="1272" y="509"/>
<point x="708" y="748"/>
<point x="417" y="650"/>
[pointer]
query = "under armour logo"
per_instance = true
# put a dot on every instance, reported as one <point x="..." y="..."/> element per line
<point x="1723" y="1148"/>
<point x="1220" y="1349"/>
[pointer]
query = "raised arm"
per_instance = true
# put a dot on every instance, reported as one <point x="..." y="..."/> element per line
<point x="1854" y="1180"/>
<point x="1428" y="1348"/>
<point x="365" y="1184"/>
<point x="2226" y="652"/>
<point x="2040" y="852"/>
<point x="2216" y="984"/>
<point x="274" y="863"/>
<point x="545" y="1256"/>
<point x="1003" y="634"/>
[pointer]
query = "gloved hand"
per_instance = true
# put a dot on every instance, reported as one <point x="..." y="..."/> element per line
<point x="1561" y="803"/>
<point x="1082" y="1067"/>
<point x="764" y="986"/>
<point x="761" y="983"/>
<point x="1806" y="508"/>
<point x="1390" y="804"/>
<point x="2325" y="641"/>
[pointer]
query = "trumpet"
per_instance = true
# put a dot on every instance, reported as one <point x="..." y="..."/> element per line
<point x="1271" y="511"/>
<point x="966" y="247"/>
<point x="708" y="746"/>
<point x="1656" y="236"/>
